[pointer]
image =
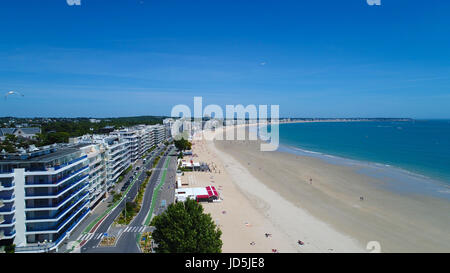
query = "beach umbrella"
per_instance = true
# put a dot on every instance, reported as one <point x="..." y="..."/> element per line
<point x="13" y="93"/>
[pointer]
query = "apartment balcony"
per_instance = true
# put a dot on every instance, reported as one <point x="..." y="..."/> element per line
<point x="6" y="236"/>
<point x="97" y="183"/>
<point x="60" y="204"/>
<point x="4" y="223"/>
<point x="61" y="191"/>
<point x="8" y="199"/>
<point x="82" y="210"/>
<point x="53" y="245"/>
<point x="60" y="168"/>
<point x="7" y="209"/>
<point x="118" y="150"/>
<point x="57" y="217"/>
<point x="96" y="169"/>
<point x="7" y="175"/>
<point x="118" y="163"/>
<point x="56" y="183"/>
<point x="7" y="188"/>
<point x="70" y="162"/>
<point x="96" y="198"/>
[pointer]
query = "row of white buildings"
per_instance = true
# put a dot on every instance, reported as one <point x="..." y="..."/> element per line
<point x="45" y="193"/>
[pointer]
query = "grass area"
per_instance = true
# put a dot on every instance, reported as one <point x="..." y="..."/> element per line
<point x="116" y="196"/>
<point x="148" y="151"/>
<point x="155" y="162"/>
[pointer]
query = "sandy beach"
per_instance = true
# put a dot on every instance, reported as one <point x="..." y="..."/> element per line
<point x="301" y="198"/>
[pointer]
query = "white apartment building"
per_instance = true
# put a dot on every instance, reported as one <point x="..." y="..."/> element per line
<point x="133" y="137"/>
<point x="45" y="193"/>
<point x="159" y="133"/>
<point x="141" y="138"/>
<point x="117" y="156"/>
<point x="44" y="196"/>
<point x="96" y="154"/>
<point x="168" y="123"/>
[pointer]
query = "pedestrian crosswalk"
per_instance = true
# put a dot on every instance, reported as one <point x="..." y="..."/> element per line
<point x="138" y="229"/>
<point x="89" y="236"/>
<point x="99" y="236"/>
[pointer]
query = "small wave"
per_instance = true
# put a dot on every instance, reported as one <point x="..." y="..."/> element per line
<point x="306" y="151"/>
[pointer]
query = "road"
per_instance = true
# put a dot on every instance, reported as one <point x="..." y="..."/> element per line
<point x="127" y="240"/>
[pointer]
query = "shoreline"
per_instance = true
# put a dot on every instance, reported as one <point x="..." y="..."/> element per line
<point x="331" y="216"/>
<point x="405" y="181"/>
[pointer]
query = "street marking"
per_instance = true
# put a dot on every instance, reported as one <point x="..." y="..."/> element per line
<point x="134" y="229"/>
<point x="87" y="237"/>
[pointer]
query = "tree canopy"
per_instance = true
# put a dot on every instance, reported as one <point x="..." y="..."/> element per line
<point x="185" y="228"/>
<point x="182" y="144"/>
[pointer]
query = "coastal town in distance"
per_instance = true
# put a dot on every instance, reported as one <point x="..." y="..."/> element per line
<point x="224" y="135"/>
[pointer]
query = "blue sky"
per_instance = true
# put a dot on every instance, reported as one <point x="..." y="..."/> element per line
<point x="317" y="58"/>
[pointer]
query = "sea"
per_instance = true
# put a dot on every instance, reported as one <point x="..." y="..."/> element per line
<point x="412" y="157"/>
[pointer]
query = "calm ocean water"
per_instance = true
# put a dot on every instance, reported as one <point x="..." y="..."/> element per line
<point x="413" y="155"/>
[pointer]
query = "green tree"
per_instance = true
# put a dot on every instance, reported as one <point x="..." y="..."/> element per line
<point x="10" y="248"/>
<point x="58" y="137"/>
<point x="182" y="144"/>
<point x="184" y="228"/>
<point x="11" y="138"/>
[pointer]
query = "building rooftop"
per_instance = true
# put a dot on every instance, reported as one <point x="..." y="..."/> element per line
<point x="28" y="131"/>
<point x="43" y="155"/>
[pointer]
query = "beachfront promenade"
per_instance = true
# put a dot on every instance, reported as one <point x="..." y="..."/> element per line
<point x="99" y="224"/>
